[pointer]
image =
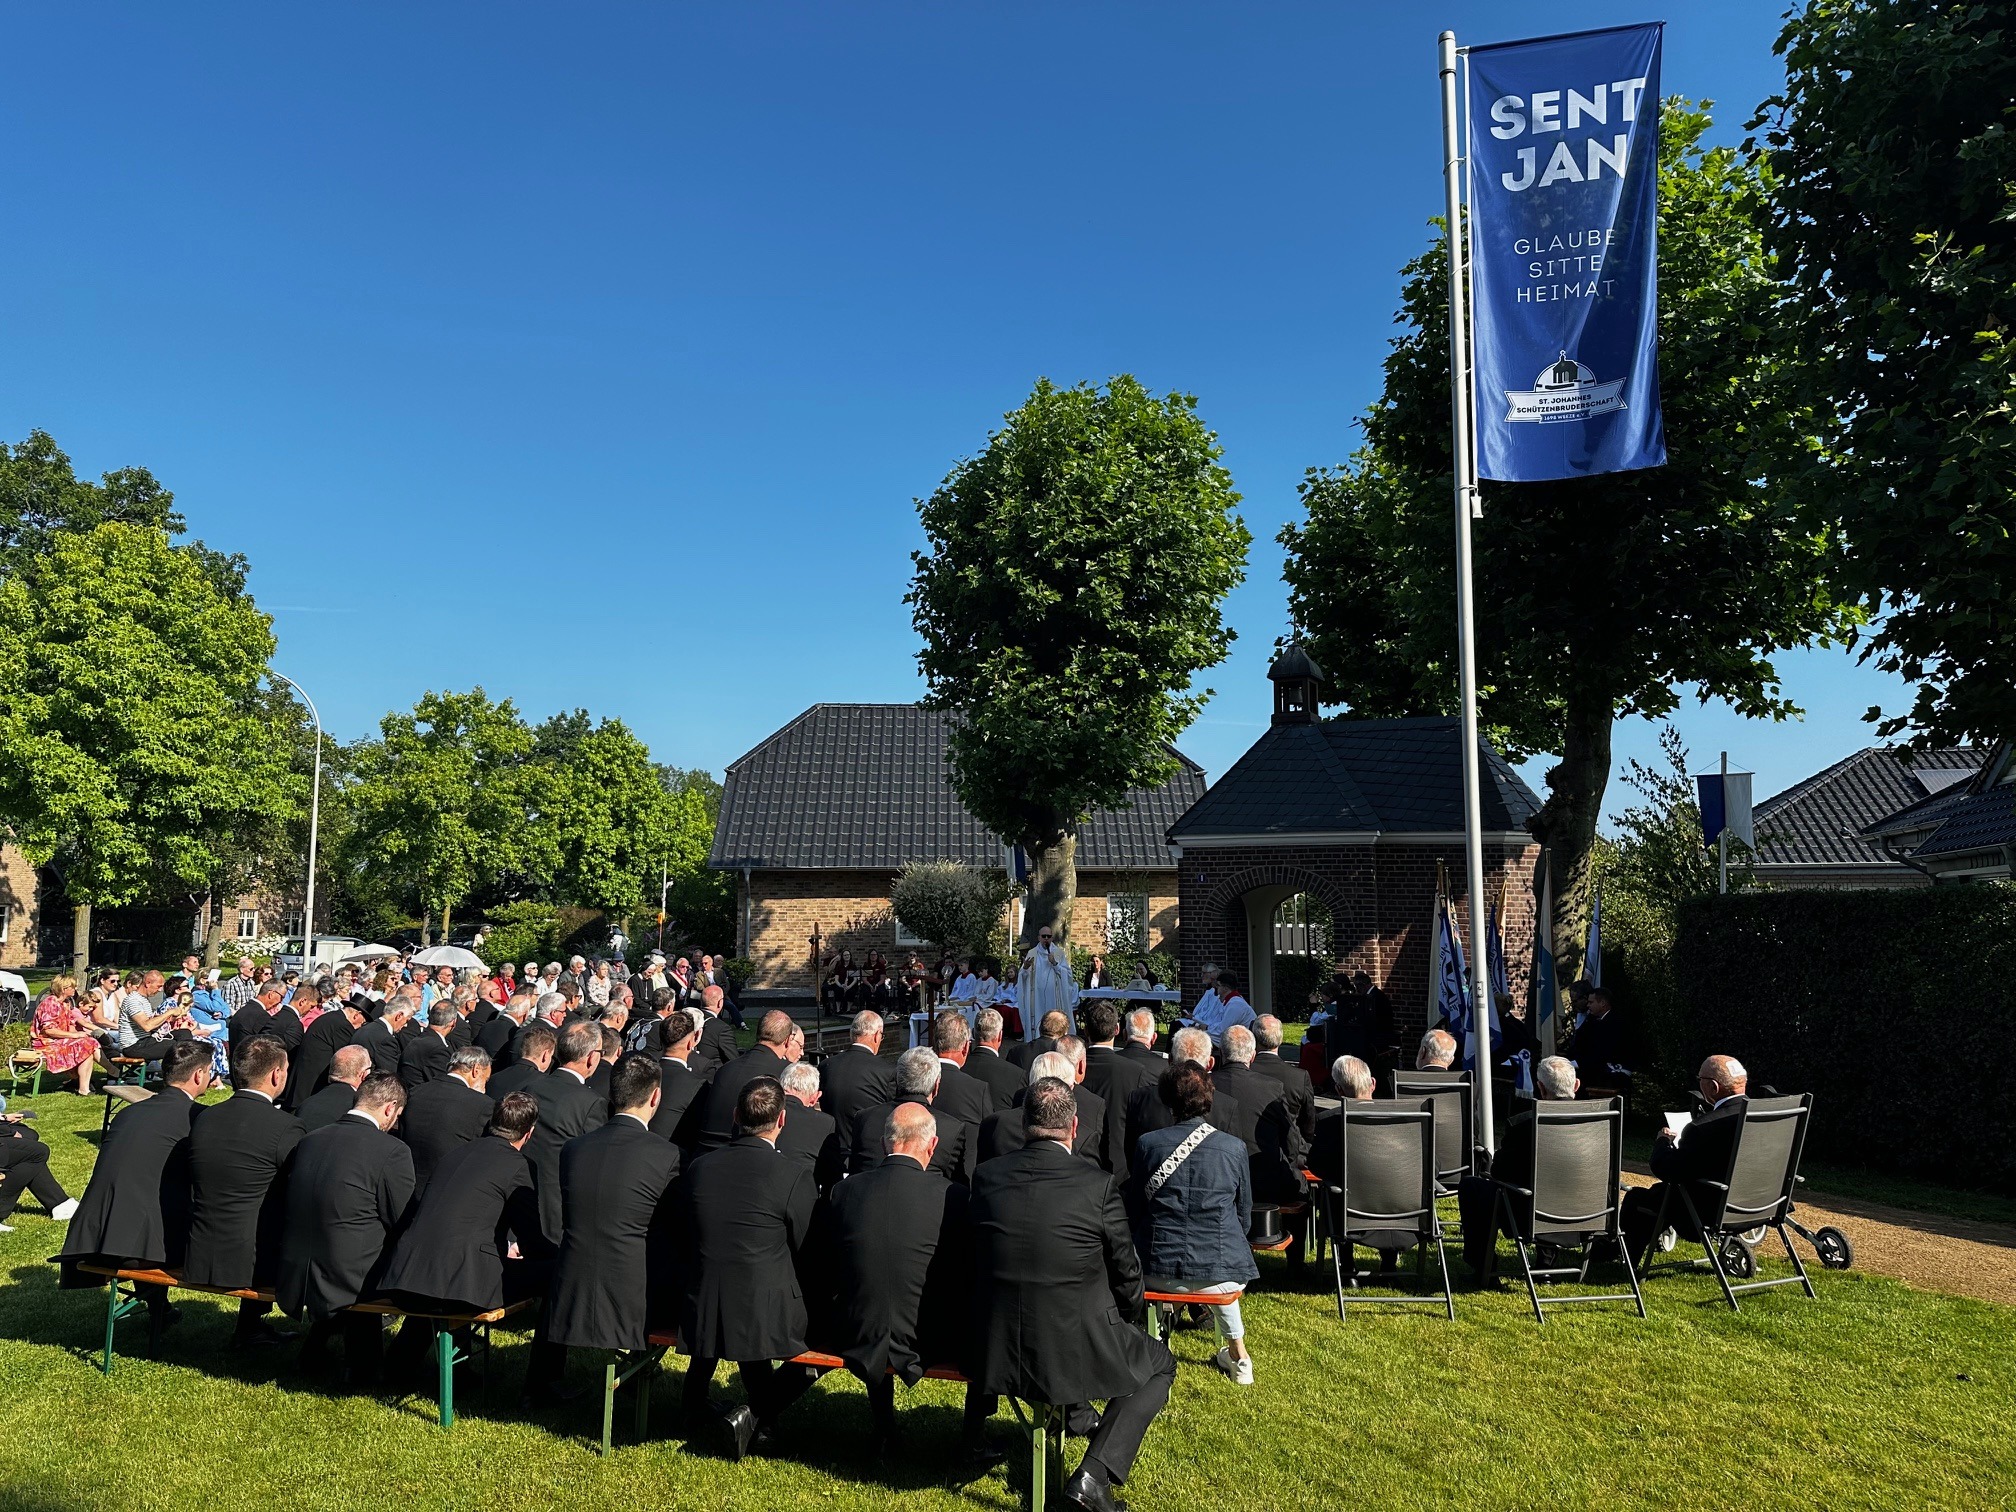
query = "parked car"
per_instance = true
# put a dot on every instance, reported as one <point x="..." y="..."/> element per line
<point x="329" y="949"/>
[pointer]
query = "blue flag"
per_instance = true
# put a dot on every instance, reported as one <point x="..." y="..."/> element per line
<point x="1592" y="956"/>
<point x="1452" y="977"/>
<point x="1564" y="243"/>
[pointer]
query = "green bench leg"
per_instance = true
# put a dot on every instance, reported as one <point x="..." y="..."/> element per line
<point x="446" y="1358"/>
<point x="117" y="1305"/>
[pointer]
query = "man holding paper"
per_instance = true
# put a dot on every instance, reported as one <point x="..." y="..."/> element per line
<point x="1690" y="1151"/>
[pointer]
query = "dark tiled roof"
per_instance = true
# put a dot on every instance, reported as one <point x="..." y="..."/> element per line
<point x="1981" y="816"/>
<point x="1824" y="820"/>
<point x="864" y="787"/>
<point x="1397" y="776"/>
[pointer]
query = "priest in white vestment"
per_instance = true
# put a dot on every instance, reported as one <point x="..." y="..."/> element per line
<point x="1046" y="984"/>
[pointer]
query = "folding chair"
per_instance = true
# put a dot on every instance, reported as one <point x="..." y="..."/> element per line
<point x="1452" y="1096"/>
<point x="1578" y="1167"/>
<point x="1388" y="1189"/>
<point x="1754" y="1193"/>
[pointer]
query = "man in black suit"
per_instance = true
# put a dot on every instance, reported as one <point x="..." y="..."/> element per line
<point x="902" y="1251"/>
<point x="1353" y="1080"/>
<point x="254" y="1016"/>
<point x="1059" y="1295"/>
<point x="425" y="1056"/>
<point x="771" y="1053"/>
<point x="716" y="1047"/>
<point x="916" y="1081"/>
<point x="1114" y="1077"/>
<point x="500" y="1032"/>
<point x="742" y="1214"/>
<point x="24" y="1166"/>
<point x="966" y="1098"/>
<point x="383" y="1036"/>
<point x="1002" y="1133"/>
<point x="328" y="1034"/>
<point x="347" y="1070"/>
<point x="454" y="1256"/>
<point x="810" y="1136"/>
<point x="1476" y="1196"/>
<point x="857" y="1078"/>
<point x="1699" y="1153"/>
<point x="531" y="1058"/>
<point x="285" y="1024"/>
<point x="445" y="1114"/>
<point x="1147" y="1112"/>
<point x="1298" y="1093"/>
<point x="1275" y="1148"/>
<point x="568" y="1107"/>
<point x="135" y="1212"/>
<point x="1054" y="1027"/>
<point x="238" y="1154"/>
<point x="1004" y="1082"/>
<point x="613" y="1187"/>
<point x="1602" y="1056"/>
<point x="1139" y="1045"/>
<point x="679" y="1090"/>
<point x="349" y="1190"/>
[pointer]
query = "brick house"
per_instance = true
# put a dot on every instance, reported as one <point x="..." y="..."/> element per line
<point x="20" y="910"/>
<point x="1836" y="829"/>
<point x="816" y="821"/>
<point x="1355" y="814"/>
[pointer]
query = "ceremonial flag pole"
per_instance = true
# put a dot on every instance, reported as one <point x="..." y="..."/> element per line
<point x="1464" y="455"/>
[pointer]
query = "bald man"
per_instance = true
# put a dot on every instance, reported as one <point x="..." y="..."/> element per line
<point x="776" y="1047"/>
<point x="1699" y="1153"/>
<point x="347" y="1069"/>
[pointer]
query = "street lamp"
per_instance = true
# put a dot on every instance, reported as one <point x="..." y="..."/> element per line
<point x="314" y="826"/>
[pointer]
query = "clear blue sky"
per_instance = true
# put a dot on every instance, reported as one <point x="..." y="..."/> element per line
<point x="596" y="353"/>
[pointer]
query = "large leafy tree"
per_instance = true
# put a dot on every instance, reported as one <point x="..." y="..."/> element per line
<point x="1069" y="597"/>
<point x="1596" y="597"/>
<point x="602" y="822"/>
<point x="1892" y="153"/>
<point x="437" y="804"/>
<point x="136" y="746"/>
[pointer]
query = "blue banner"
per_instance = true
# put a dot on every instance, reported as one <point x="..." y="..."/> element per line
<point x="1564" y="254"/>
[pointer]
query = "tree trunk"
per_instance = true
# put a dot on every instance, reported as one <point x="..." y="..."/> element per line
<point x="1566" y="827"/>
<point x="80" y="941"/>
<point x="1053" y="884"/>
<point x="213" y="936"/>
<point x="444" y="923"/>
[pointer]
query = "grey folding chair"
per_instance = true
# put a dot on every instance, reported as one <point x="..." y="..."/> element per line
<point x="1755" y="1193"/>
<point x="1388" y="1191"/>
<point x="1578" y="1166"/>
<point x="1452" y="1095"/>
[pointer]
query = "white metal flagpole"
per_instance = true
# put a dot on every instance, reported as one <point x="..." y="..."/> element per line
<point x="1722" y="836"/>
<point x="1464" y="455"/>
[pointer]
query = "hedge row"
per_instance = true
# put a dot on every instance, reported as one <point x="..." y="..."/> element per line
<point x="1895" y="1009"/>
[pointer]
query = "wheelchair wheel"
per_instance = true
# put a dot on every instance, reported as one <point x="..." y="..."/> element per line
<point x="1738" y="1259"/>
<point x="1835" y="1252"/>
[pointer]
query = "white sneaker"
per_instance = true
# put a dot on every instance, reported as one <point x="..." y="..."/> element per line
<point x="65" y="1210"/>
<point x="1241" y="1371"/>
<point x="1667" y="1239"/>
<point x="6" y="1228"/>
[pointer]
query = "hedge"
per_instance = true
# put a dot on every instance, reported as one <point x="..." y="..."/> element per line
<point x="1896" y="1009"/>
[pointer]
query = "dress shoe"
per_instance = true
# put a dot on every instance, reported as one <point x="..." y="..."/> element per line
<point x="1090" y="1495"/>
<point x="740" y="1424"/>
<point x="260" y="1335"/>
<point x="978" y="1456"/>
<point x="1082" y="1421"/>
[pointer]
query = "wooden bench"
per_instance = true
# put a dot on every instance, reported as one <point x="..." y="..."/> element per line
<point x="124" y="1299"/>
<point x="1212" y="1300"/>
<point x="120" y="1094"/>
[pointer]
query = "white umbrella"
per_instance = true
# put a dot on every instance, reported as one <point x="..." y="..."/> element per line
<point x="450" y="955"/>
<point x="370" y="953"/>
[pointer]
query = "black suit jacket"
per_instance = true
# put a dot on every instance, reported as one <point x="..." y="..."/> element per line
<point x="851" y="1081"/>
<point x="1298" y="1093"/>
<point x="1003" y="1133"/>
<point x="385" y="1047"/>
<point x="1057" y="1281"/>
<point x="715" y="1125"/>
<point x="965" y="1097"/>
<point x="811" y="1137"/>
<point x="1597" y="1046"/>
<point x="741" y="1214"/>
<point x="137" y="1204"/>
<point x="1701" y="1153"/>
<point x="346" y="1197"/>
<point x="424" y="1059"/>
<point x="519" y="1076"/>
<point x="1004" y="1081"/>
<point x="285" y="1025"/>
<point x="1115" y="1077"/>
<point x="1275" y="1148"/>
<point x="613" y="1186"/>
<point x="497" y="1037"/>
<point x="247" y="1021"/>
<point x="902" y="1249"/>
<point x="568" y="1108"/>
<point x="441" y="1116"/>
<point x="1020" y="1055"/>
<point x="325" y="1107"/>
<point x="716" y="1046"/>
<point x="954" y="1157"/>
<point x="679" y="1097"/>
<point x="452" y="1252"/>
<point x="238" y="1152"/>
<point x="310" y="1067"/>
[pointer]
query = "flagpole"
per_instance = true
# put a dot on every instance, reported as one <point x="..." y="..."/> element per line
<point x="1464" y="458"/>
<point x="1722" y="835"/>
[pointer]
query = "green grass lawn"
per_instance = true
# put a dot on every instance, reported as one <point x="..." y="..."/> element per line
<point x="1876" y="1396"/>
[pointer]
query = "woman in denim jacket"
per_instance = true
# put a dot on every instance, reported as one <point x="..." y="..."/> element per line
<point x="1197" y="1208"/>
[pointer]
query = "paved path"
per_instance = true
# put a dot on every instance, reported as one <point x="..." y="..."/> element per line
<point x="1963" y="1256"/>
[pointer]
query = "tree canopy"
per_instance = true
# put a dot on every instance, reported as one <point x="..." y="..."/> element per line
<point x="1070" y="595"/>
<point x="1892" y="159"/>
<point x="1596" y="597"/>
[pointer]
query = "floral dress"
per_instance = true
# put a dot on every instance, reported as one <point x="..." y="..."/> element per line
<point x="54" y="1014"/>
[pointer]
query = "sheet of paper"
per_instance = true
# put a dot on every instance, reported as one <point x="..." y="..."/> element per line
<point x="1678" y="1121"/>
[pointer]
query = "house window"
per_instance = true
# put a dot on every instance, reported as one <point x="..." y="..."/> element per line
<point x="248" y="923"/>
<point x="1126" y="921"/>
<point x="292" y="926"/>
<point x="6" y="919"/>
<point x="906" y="939"/>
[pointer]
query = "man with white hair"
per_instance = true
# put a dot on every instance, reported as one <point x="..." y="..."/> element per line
<point x="1436" y="1052"/>
<point x="1476" y="1196"/>
<point x="1003" y="1132"/>
<point x="986" y="1063"/>
<point x="552" y="1010"/>
<point x="498" y="1035"/>
<point x="857" y="1078"/>
<point x="1138" y="1040"/>
<point x="1274" y="1146"/>
<point x="917" y="1072"/>
<point x="1698" y="1153"/>
<point x="809" y="1136"/>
